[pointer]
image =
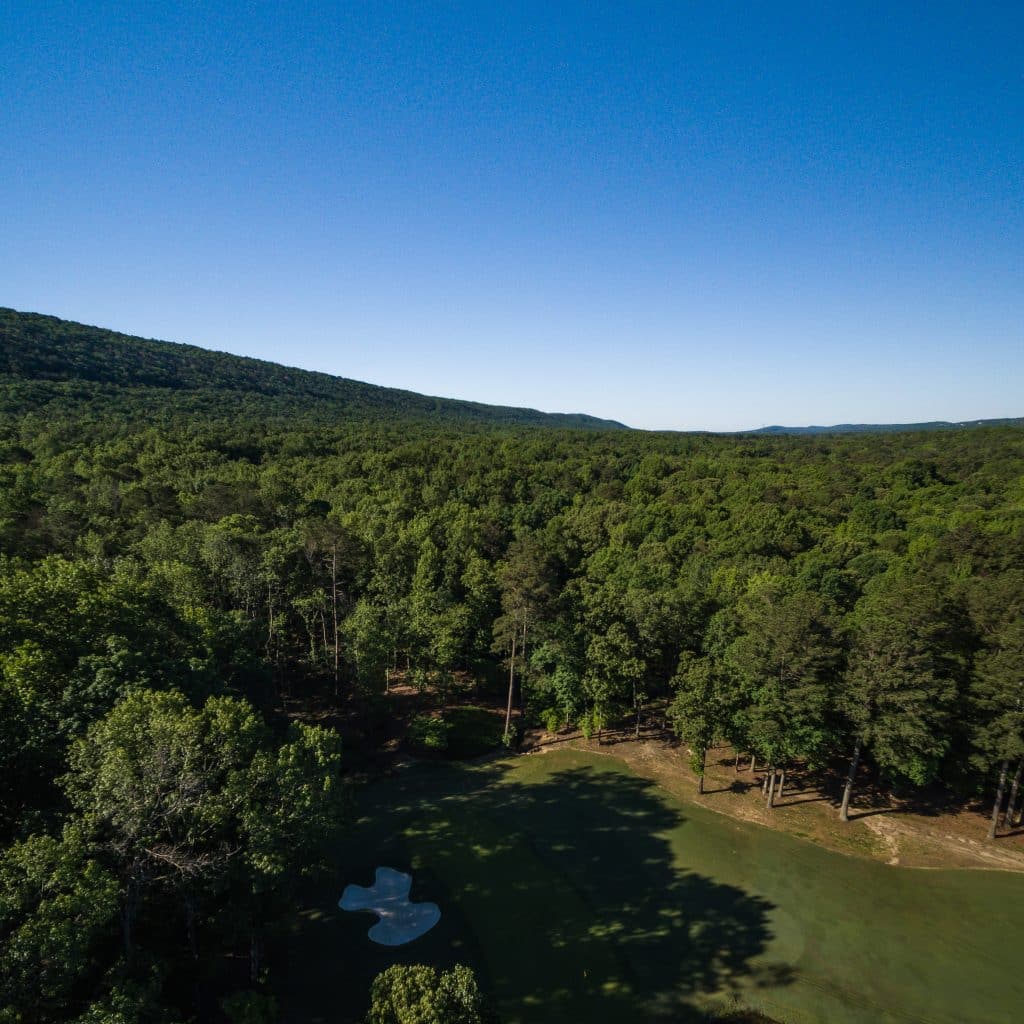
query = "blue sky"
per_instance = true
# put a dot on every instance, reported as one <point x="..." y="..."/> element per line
<point x="715" y="215"/>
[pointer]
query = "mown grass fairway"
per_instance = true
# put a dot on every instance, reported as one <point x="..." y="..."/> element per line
<point x="581" y="892"/>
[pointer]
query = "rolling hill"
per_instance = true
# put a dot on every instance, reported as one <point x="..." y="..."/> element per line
<point x="44" y="359"/>
<point x="46" y="362"/>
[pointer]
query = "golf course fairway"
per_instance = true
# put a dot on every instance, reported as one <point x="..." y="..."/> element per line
<point x="579" y="891"/>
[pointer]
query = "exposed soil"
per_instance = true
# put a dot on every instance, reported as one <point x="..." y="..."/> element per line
<point x="929" y="831"/>
<point x="910" y="833"/>
<point x="373" y="729"/>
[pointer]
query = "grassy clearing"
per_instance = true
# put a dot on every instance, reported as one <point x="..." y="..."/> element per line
<point x="580" y="891"/>
<point x="473" y="731"/>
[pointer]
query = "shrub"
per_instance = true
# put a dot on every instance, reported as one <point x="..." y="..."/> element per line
<point x="250" y="1008"/>
<point x="417" y="994"/>
<point x="428" y="734"/>
<point x="552" y="719"/>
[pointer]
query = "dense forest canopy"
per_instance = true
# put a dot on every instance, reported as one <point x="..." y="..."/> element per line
<point x="188" y="539"/>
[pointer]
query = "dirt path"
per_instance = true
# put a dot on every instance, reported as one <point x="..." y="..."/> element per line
<point x="881" y="828"/>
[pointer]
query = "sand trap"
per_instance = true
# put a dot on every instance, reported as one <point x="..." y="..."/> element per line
<point x="400" y="921"/>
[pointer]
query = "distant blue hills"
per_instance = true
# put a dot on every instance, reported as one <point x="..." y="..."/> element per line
<point x="890" y="428"/>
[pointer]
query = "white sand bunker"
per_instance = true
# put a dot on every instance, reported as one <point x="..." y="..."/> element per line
<point x="401" y="920"/>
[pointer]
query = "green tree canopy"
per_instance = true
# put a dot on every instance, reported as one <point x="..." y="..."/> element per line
<point x="417" y="994"/>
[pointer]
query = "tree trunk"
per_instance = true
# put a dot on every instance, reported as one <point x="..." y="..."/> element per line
<point x="771" y="786"/>
<point x="1013" y="813"/>
<point x="736" y="764"/>
<point x="334" y="612"/>
<point x="703" y="766"/>
<point x="270" y="620"/>
<point x="1011" y="803"/>
<point x="782" y="783"/>
<point x="254" y="957"/>
<point x="753" y="762"/>
<point x="844" y="810"/>
<point x="522" y="674"/>
<point x="999" y="800"/>
<point x="511" y="685"/>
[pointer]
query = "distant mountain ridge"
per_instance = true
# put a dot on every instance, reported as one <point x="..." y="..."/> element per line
<point x="50" y="363"/>
<point x="44" y="358"/>
<point x="890" y="428"/>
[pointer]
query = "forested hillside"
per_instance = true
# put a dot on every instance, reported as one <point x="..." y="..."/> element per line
<point x="165" y="587"/>
<point x="45" y="360"/>
<point x="891" y="428"/>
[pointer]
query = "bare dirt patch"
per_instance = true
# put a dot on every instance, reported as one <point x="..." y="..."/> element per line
<point x="881" y="827"/>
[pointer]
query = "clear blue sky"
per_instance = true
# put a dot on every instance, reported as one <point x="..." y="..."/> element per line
<point x="715" y="215"/>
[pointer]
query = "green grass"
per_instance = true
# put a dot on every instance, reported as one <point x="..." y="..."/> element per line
<point x="472" y="731"/>
<point x="581" y="892"/>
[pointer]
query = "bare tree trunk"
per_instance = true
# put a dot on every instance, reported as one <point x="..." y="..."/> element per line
<point x="782" y="783"/>
<point x="999" y="799"/>
<point x="703" y="767"/>
<point x="270" y="619"/>
<point x="1013" y="811"/>
<point x="736" y="765"/>
<point x="753" y="762"/>
<point x="522" y="674"/>
<point x="312" y="641"/>
<point x="511" y="685"/>
<point x="1012" y="801"/>
<point x="844" y="810"/>
<point x="254" y="956"/>
<point x="771" y="786"/>
<point x="334" y="612"/>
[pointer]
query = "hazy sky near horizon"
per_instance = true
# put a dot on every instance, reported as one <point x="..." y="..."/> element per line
<point x="713" y="215"/>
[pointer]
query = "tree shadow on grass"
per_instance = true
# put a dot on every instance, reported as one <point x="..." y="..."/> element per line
<point x="873" y="795"/>
<point x="786" y="802"/>
<point x="590" y="916"/>
<point x="563" y="893"/>
<point x="739" y="786"/>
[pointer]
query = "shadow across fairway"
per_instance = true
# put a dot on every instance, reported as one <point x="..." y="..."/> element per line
<point x="561" y="889"/>
<point x="586" y="912"/>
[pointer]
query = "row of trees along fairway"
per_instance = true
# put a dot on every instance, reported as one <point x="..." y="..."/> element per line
<point x="792" y="678"/>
